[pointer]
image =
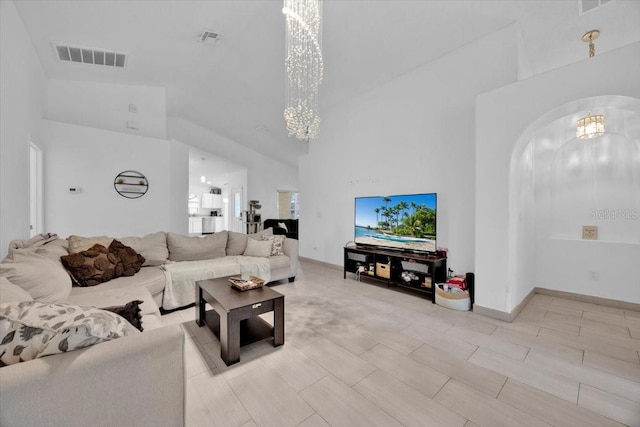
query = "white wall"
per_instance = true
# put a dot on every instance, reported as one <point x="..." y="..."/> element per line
<point x="106" y="106"/>
<point x="89" y="158"/>
<point x="502" y="118"/>
<point x="22" y="97"/>
<point x="264" y="174"/>
<point x="414" y="134"/>
<point x="178" y="187"/>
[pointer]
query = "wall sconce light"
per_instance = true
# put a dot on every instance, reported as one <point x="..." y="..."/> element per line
<point x="590" y="127"/>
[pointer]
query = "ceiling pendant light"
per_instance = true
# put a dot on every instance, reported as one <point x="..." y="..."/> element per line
<point x="304" y="67"/>
<point x="590" y="127"/>
<point x="589" y="37"/>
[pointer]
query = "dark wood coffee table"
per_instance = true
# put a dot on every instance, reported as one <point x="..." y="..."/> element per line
<point x="234" y="318"/>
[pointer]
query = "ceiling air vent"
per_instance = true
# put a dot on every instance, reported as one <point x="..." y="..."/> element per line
<point x="589" y="5"/>
<point x="89" y="55"/>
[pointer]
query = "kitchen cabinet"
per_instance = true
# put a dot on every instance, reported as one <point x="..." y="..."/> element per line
<point x="195" y="225"/>
<point x="211" y="201"/>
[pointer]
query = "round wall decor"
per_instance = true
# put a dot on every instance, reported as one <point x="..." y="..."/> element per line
<point x="131" y="184"/>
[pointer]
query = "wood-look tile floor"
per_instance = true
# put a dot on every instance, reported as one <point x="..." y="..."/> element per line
<point x="361" y="354"/>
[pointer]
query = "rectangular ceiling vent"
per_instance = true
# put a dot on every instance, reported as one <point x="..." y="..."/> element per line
<point x="89" y="55"/>
<point x="589" y="5"/>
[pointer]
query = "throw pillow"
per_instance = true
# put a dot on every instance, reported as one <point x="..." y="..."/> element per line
<point x="237" y="242"/>
<point x="259" y="234"/>
<point x="44" y="279"/>
<point x="153" y="247"/>
<point x="258" y="248"/>
<point x="78" y="243"/>
<point x="93" y="266"/>
<point x="277" y="244"/>
<point x="130" y="311"/>
<point x="12" y="293"/>
<point x="183" y="248"/>
<point x="130" y="259"/>
<point x="32" y="329"/>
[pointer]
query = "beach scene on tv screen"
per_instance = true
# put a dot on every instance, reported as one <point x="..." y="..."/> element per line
<point x="404" y="222"/>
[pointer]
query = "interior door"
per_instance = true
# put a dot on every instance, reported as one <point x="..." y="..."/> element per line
<point x="236" y="202"/>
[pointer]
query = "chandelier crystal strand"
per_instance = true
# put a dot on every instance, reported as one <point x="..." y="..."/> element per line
<point x="304" y="67"/>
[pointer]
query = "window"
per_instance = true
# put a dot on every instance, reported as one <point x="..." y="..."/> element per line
<point x="194" y="204"/>
<point x="288" y="204"/>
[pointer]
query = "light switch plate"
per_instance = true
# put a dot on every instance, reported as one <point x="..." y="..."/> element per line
<point x="589" y="232"/>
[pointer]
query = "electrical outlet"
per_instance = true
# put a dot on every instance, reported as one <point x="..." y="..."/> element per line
<point x="594" y="275"/>
<point x="589" y="232"/>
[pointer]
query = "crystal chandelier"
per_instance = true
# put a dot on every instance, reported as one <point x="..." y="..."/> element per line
<point x="304" y="66"/>
<point x="590" y="127"/>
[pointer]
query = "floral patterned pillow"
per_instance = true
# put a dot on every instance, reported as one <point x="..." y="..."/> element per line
<point x="277" y="244"/>
<point x="32" y="329"/>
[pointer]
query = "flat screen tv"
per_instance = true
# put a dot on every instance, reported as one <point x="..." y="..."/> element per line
<point x="403" y="222"/>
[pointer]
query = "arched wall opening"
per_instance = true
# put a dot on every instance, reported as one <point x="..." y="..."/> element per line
<point x="559" y="183"/>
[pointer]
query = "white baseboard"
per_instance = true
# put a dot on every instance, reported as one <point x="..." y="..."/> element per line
<point x="322" y="263"/>
<point x="509" y="316"/>
<point x="622" y="305"/>
<point x="503" y="315"/>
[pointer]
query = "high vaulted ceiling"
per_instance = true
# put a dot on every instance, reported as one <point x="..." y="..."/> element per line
<point x="236" y="87"/>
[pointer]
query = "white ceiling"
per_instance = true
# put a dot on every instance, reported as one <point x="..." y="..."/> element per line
<point x="236" y="87"/>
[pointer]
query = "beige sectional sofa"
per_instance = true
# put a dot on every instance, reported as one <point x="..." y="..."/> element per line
<point x="133" y="380"/>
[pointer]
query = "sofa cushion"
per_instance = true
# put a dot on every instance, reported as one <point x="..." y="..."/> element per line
<point x="258" y="248"/>
<point x="93" y="266"/>
<point x="79" y="243"/>
<point x="153" y="247"/>
<point x="32" y="329"/>
<point x="183" y="248"/>
<point x="51" y="251"/>
<point x="277" y="244"/>
<point x="44" y="279"/>
<point x="130" y="259"/>
<point x="130" y="311"/>
<point x="151" y="322"/>
<point x="151" y="279"/>
<point x="63" y="243"/>
<point x="103" y="296"/>
<point x="12" y="293"/>
<point x="236" y="243"/>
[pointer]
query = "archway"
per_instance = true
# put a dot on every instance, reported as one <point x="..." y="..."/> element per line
<point x="559" y="183"/>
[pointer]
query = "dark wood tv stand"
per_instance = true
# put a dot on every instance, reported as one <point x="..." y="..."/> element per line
<point x="415" y="271"/>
